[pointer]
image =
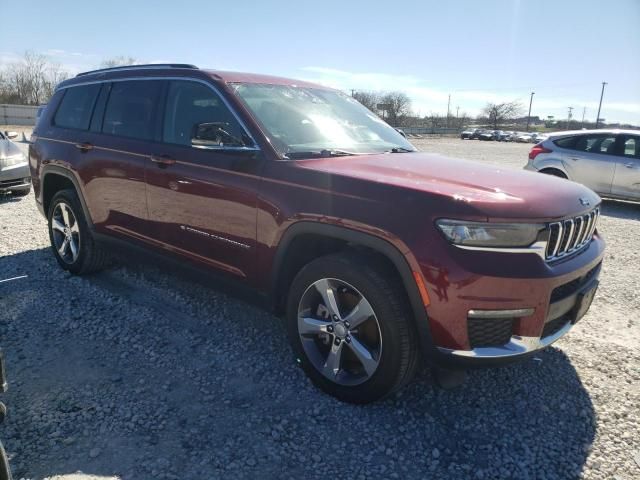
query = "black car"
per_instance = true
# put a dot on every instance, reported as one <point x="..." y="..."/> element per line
<point x="487" y="135"/>
<point x="470" y="134"/>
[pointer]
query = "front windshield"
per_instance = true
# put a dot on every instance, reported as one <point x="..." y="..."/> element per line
<point x="302" y="122"/>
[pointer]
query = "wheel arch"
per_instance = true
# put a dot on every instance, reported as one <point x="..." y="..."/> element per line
<point x="554" y="170"/>
<point x="56" y="178"/>
<point x="343" y="237"/>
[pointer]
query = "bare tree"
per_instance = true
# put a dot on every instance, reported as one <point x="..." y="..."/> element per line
<point x="498" y="113"/>
<point x="55" y="75"/>
<point x="397" y="107"/>
<point x="120" y="61"/>
<point x="30" y="81"/>
<point x="368" y="99"/>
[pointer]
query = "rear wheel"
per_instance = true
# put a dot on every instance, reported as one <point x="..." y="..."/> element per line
<point x="554" y="172"/>
<point x="71" y="239"/>
<point x="349" y="325"/>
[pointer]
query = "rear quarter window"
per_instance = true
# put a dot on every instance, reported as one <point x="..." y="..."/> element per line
<point x="567" y="142"/>
<point x="76" y="107"/>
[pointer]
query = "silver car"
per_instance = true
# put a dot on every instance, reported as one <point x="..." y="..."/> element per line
<point x="15" y="176"/>
<point x="607" y="161"/>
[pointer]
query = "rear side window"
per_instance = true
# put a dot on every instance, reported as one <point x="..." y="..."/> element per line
<point x="631" y="147"/>
<point x="599" y="143"/>
<point x="76" y="107"/>
<point x="131" y="109"/>
<point x="196" y="116"/>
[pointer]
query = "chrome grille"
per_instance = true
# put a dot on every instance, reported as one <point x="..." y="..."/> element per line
<point x="571" y="235"/>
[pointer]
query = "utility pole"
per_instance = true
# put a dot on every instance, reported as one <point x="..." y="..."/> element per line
<point x="569" y="117"/>
<point x="584" y="110"/>
<point x="458" y="118"/>
<point x="600" y="105"/>
<point x="529" y="116"/>
<point x="448" y="103"/>
<point x="353" y="92"/>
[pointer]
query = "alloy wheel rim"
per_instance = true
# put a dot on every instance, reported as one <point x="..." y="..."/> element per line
<point x="66" y="233"/>
<point x="339" y="332"/>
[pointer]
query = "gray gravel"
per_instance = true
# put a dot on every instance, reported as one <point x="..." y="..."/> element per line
<point x="141" y="373"/>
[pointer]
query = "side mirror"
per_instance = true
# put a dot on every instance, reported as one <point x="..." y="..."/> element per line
<point x="213" y="134"/>
<point x="399" y="130"/>
<point x="11" y="135"/>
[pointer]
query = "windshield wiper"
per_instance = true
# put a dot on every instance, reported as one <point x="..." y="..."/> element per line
<point x="318" y="154"/>
<point x="399" y="150"/>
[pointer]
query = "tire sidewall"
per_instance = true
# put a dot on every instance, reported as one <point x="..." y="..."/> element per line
<point x="70" y="198"/>
<point x="366" y="282"/>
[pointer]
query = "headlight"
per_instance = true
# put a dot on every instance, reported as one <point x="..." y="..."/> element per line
<point x="12" y="160"/>
<point x="481" y="234"/>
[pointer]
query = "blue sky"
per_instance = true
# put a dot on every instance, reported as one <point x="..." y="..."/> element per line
<point x="477" y="51"/>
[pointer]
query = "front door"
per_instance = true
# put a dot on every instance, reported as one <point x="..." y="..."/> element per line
<point x="626" y="181"/>
<point x="202" y="181"/>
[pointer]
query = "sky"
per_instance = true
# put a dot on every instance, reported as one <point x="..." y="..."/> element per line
<point x="475" y="51"/>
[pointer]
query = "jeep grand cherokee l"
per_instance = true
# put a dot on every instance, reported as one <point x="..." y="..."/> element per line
<point x="377" y="254"/>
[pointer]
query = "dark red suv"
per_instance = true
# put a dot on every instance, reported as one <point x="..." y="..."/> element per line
<point x="378" y="255"/>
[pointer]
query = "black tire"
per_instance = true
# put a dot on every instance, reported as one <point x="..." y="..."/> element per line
<point x="399" y="353"/>
<point x="553" y="172"/>
<point x="91" y="257"/>
<point x="22" y="192"/>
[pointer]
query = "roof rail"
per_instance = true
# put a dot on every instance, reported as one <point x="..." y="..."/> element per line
<point x="139" y="67"/>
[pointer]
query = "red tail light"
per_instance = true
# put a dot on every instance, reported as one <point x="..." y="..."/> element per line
<point x="538" y="149"/>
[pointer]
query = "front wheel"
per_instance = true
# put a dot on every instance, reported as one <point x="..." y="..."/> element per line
<point x="350" y="328"/>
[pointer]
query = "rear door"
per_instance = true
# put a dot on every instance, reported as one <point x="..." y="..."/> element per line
<point x="626" y="181"/>
<point x="202" y="181"/>
<point x="124" y="126"/>
<point x="590" y="159"/>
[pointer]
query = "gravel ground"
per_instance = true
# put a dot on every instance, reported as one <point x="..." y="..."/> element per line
<point x="142" y="373"/>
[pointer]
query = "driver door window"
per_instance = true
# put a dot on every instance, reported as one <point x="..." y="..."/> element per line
<point x="196" y="116"/>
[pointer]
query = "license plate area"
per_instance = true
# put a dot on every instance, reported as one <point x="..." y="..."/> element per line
<point x="583" y="302"/>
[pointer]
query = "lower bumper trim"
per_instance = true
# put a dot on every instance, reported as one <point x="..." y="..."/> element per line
<point x="517" y="346"/>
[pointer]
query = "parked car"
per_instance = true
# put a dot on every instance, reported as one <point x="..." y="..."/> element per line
<point x="470" y="134"/>
<point x="489" y="135"/>
<point x="538" y="137"/>
<point x="377" y="255"/>
<point x="524" y="137"/>
<point x="607" y="161"/>
<point x="14" y="170"/>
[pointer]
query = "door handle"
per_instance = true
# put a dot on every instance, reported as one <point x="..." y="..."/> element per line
<point x="575" y="159"/>
<point x="84" y="147"/>
<point x="628" y="165"/>
<point x="162" y="160"/>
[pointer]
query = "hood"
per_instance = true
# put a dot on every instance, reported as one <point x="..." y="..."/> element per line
<point x="495" y="192"/>
<point x="8" y="149"/>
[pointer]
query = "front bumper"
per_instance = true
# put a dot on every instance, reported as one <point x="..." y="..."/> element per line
<point x="15" y="177"/>
<point x="542" y="297"/>
<point x="563" y="314"/>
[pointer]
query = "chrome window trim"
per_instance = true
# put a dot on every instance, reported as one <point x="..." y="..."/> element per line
<point x="255" y="148"/>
